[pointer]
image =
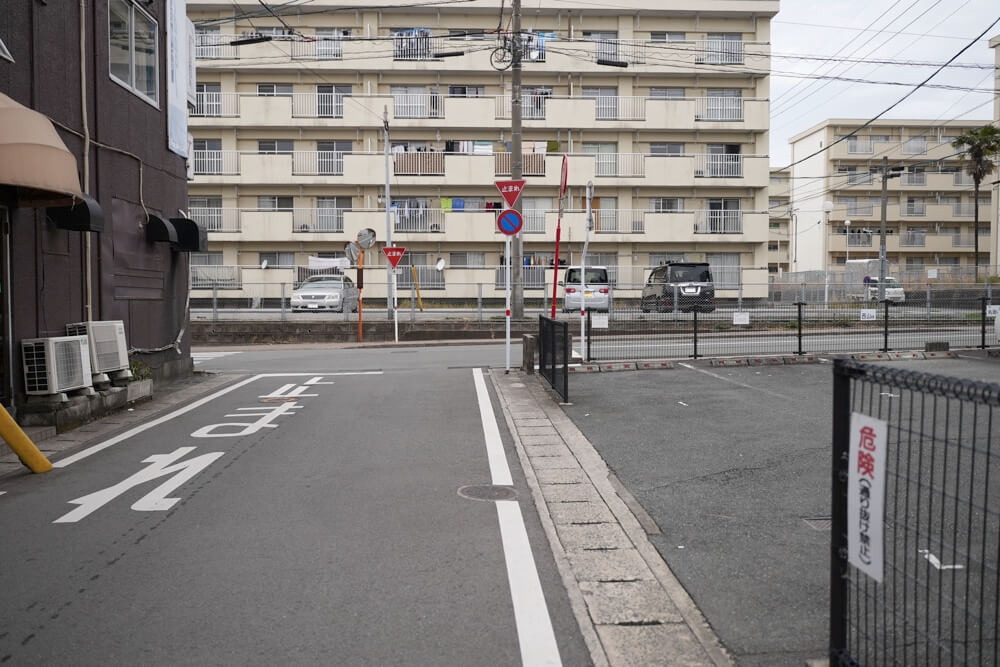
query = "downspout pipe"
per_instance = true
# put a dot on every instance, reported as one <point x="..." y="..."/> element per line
<point x="87" y="247"/>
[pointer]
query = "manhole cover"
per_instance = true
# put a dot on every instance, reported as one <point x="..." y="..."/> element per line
<point x="819" y="523"/>
<point x="487" y="492"/>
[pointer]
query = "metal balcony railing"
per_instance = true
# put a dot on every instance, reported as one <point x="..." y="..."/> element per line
<point x="428" y="277"/>
<point x="318" y="105"/>
<point x="628" y="51"/>
<point x="859" y="239"/>
<point x="963" y="210"/>
<point x="418" y="164"/>
<point x="914" y="147"/>
<point x="857" y="177"/>
<point x="417" y="220"/>
<point x="913" y="240"/>
<point x="915" y="178"/>
<point x="318" y="163"/>
<point x="307" y="220"/>
<point x="962" y="178"/>
<point x="914" y="210"/>
<point x="418" y="105"/>
<point x="718" y="166"/>
<point x="216" y="162"/>
<point x="534" y="221"/>
<point x="620" y="165"/>
<point x="532" y="164"/>
<point x="208" y="276"/>
<point x="719" y="109"/>
<point x="217" y="105"/>
<point x="418" y="47"/>
<point x="212" y="46"/>
<point x="217" y="219"/>
<point x="718" y="222"/>
<point x="323" y="48"/>
<point x="532" y="277"/>
<point x="532" y="106"/>
<point x="719" y="52"/>
<point x="862" y="210"/>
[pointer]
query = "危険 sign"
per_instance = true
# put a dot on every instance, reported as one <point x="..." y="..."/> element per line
<point x="866" y="494"/>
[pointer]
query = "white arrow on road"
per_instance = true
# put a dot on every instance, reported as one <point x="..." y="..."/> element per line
<point x="936" y="562"/>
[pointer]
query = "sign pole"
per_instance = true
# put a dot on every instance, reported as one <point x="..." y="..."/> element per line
<point x="361" y="298"/>
<point x="583" y="274"/>
<point x="507" y="344"/>
<point x="562" y="208"/>
<point x="395" y="312"/>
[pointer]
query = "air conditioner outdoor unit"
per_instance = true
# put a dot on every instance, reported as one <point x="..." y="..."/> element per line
<point x="108" y="350"/>
<point x="54" y="365"/>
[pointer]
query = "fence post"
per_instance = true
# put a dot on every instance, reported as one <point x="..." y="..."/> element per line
<point x="215" y="302"/>
<point x="928" y="302"/>
<point x="739" y="295"/>
<point x="479" y="300"/>
<point x="676" y="293"/>
<point x="695" y="313"/>
<point x="982" y="322"/>
<point x="282" y="302"/>
<point x="590" y="337"/>
<point x="802" y="292"/>
<point x="564" y="360"/>
<point x="799" y="305"/>
<point x="838" y="514"/>
<point x="885" y="327"/>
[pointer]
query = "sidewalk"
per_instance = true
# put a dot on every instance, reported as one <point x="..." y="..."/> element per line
<point x="630" y="607"/>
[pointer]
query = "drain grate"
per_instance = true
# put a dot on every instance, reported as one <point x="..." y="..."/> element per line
<point x="819" y="523"/>
<point x="487" y="492"/>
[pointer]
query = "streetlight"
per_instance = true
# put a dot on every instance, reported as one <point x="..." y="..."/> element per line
<point x="847" y="223"/>
<point x="827" y="207"/>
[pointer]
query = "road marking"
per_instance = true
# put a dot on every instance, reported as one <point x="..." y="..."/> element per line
<point x="199" y="357"/>
<point x="741" y="384"/>
<point x="499" y="470"/>
<point x="936" y="563"/>
<point x="90" y="451"/>
<point x="535" y="635"/>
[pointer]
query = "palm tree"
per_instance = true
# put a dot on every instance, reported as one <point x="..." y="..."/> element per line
<point x="980" y="147"/>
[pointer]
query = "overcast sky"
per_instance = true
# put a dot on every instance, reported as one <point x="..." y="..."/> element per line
<point x="932" y="31"/>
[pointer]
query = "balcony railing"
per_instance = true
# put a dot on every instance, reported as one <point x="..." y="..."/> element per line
<point x="718" y="166"/>
<point x="628" y="51"/>
<point x="963" y="210"/>
<point x="620" y="165"/>
<point x="212" y="46"/>
<point x="217" y="105"/>
<point x="719" y="109"/>
<point x="428" y="277"/>
<point x="856" y="177"/>
<point x="914" y="210"/>
<point x="205" y="276"/>
<point x="532" y="106"/>
<point x="915" y="178"/>
<point x="532" y="164"/>
<point x="324" y="48"/>
<point x="534" y="221"/>
<point x="864" y="147"/>
<point x="862" y="210"/>
<point x="720" y="52"/>
<point x="318" y="163"/>
<point x="418" y="47"/>
<point x="914" y="147"/>
<point x="859" y="239"/>
<point x="912" y="239"/>
<point x="418" y="219"/>
<point x="532" y="277"/>
<point x="418" y="105"/>
<point x="307" y="220"/>
<point x="217" y="219"/>
<point x="418" y="164"/>
<point x="614" y="107"/>
<point x="718" y="222"/>
<point x="962" y="178"/>
<point x="318" y="105"/>
<point x="969" y="240"/>
<point x="216" y="162"/>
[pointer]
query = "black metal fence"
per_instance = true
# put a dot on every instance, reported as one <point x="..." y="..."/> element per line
<point x="554" y="353"/>
<point x="938" y="533"/>
<point x="795" y="328"/>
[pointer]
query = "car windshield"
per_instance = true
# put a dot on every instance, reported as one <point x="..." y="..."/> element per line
<point x="890" y="282"/>
<point x="324" y="284"/>
<point x="593" y="275"/>
<point x="690" y="274"/>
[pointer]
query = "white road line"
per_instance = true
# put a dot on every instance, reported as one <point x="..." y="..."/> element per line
<point x="741" y="384"/>
<point x="499" y="469"/>
<point x="90" y="451"/>
<point x="531" y="614"/>
<point x="199" y="357"/>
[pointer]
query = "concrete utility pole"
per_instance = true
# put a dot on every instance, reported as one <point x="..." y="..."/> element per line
<point x="881" y="243"/>
<point x="389" y="283"/>
<point x="516" y="160"/>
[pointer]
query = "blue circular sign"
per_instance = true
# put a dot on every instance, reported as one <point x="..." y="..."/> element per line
<point x="509" y="221"/>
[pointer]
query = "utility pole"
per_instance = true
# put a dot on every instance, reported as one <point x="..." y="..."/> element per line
<point x="516" y="160"/>
<point x="881" y="243"/>
<point x="389" y="283"/>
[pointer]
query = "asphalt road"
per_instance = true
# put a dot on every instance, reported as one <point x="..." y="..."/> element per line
<point x="253" y="529"/>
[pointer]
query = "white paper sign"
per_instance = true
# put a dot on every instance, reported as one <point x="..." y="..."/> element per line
<point x="932" y="273"/>
<point x="869" y="314"/>
<point x="599" y="320"/>
<point x="866" y="494"/>
<point x="741" y="318"/>
<point x="992" y="311"/>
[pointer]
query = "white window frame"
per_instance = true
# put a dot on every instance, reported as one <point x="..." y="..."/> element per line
<point x="130" y="85"/>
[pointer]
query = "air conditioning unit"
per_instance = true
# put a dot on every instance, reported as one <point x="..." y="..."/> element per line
<point x="108" y="350"/>
<point x="54" y="365"/>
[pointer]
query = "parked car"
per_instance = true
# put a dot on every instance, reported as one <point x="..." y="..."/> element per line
<point x="595" y="291"/>
<point x="686" y="286"/>
<point x="328" y="292"/>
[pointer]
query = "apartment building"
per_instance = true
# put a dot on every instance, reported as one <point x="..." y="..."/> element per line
<point x="779" y="209"/>
<point x="663" y="107"/>
<point x="929" y="206"/>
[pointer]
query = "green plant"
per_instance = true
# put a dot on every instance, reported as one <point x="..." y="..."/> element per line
<point x="140" y="370"/>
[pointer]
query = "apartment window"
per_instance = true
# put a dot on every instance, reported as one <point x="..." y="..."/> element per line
<point x="666" y="204"/>
<point x="206" y="258"/>
<point x="276" y="146"/>
<point x="133" y="49"/>
<point x="660" y="258"/>
<point x="772" y="246"/>
<point x="330" y="100"/>
<point x="667" y="36"/>
<point x="275" y="260"/>
<point x="274" y="89"/>
<point x="666" y="93"/>
<point x="725" y="268"/>
<point x="606" y="160"/>
<point x="666" y="148"/>
<point x="208" y="99"/>
<point x="774" y="225"/>
<point x="466" y="91"/>
<point x="207" y="211"/>
<point x="468" y="33"/>
<point x="724" y="104"/>
<point x="467" y="259"/>
<point x="330" y="156"/>
<point x="275" y="202"/>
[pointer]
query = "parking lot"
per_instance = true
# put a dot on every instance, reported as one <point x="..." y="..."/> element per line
<point x="733" y="465"/>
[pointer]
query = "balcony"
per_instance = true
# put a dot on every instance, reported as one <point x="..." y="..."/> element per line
<point x="719" y="52"/>
<point x="322" y="48"/>
<point x="860" y="147"/>
<point x="718" y="166"/>
<point x="618" y="51"/>
<point x="319" y="220"/>
<point x="217" y="219"/>
<point x="913" y="240"/>
<point x="318" y="163"/>
<point x="718" y="222"/>
<point x="967" y="210"/>
<point x="859" y="239"/>
<point x="913" y="210"/>
<point x="620" y="165"/>
<point x="914" y="147"/>
<point x="914" y="178"/>
<point x="209" y="162"/>
<point x="418" y="105"/>
<point x="719" y="109"/>
<point x="216" y="277"/>
<point x="318" y="105"/>
<point x="429" y="220"/>
<point x="418" y="164"/>
<point x="216" y="105"/>
<point x="532" y="164"/>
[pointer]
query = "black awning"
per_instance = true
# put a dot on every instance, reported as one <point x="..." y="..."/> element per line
<point x="191" y="237"/>
<point x="159" y="230"/>
<point x="84" y="216"/>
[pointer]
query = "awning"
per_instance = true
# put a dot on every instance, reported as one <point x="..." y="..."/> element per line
<point x="34" y="159"/>
<point x="84" y="215"/>
<point x="181" y="233"/>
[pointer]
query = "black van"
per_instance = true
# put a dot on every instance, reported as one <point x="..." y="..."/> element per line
<point x="689" y="283"/>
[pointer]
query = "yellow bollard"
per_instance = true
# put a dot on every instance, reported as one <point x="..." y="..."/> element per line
<point x="22" y="444"/>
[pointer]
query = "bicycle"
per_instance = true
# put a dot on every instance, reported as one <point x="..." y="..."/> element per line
<point x="502" y="56"/>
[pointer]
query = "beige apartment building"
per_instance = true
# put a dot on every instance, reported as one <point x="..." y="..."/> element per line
<point x="930" y="205"/>
<point x="779" y="207"/>
<point x="663" y="106"/>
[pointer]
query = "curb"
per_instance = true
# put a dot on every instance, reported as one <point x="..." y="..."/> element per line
<point x="653" y="365"/>
<point x="764" y="361"/>
<point x="801" y="359"/>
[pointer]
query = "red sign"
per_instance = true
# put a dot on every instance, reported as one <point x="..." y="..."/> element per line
<point x="511" y="190"/>
<point x="564" y="176"/>
<point x="394" y="254"/>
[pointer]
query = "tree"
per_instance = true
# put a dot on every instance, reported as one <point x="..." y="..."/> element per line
<point x="980" y="147"/>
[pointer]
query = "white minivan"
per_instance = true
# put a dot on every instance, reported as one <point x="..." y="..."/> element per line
<point x="595" y="291"/>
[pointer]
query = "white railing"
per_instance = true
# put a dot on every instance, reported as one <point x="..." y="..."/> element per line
<point x="532" y="164"/>
<point x="915" y="178"/>
<point x="418" y="47"/>
<point x="622" y="165"/>
<point x="629" y="51"/>
<point x="324" y="48"/>
<point x="418" y="164"/>
<point x="418" y="219"/>
<point x="318" y="220"/>
<point x="619" y="108"/>
<point x="861" y="209"/>
<point x="532" y="277"/>
<point x="962" y="178"/>
<point x="418" y="105"/>
<point x="217" y="219"/>
<point x="719" y="108"/>
<point x="318" y="163"/>
<point x="963" y="210"/>
<point x="217" y="162"/>
<point x="207" y="276"/>
<point x="862" y="146"/>
<point x="718" y="166"/>
<point x="216" y="104"/>
<point x="965" y="241"/>
<point x="859" y="239"/>
<point x="914" y="147"/>
<point x="428" y="277"/>
<point x="534" y="221"/>
<point x="913" y="239"/>
<point x="857" y="177"/>
<point x="914" y="210"/>
<point x="532" y="106"/>
<point x="720" y="52"/>
<point x="212" y="45"/>
<point x="318" y="105"/>
<point x="718" y="222"/>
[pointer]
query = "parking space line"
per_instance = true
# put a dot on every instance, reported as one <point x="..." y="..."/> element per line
<point x="741" y="384"/>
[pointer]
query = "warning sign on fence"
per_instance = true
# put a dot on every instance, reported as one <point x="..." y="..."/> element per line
<point x="866" y="494"/>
